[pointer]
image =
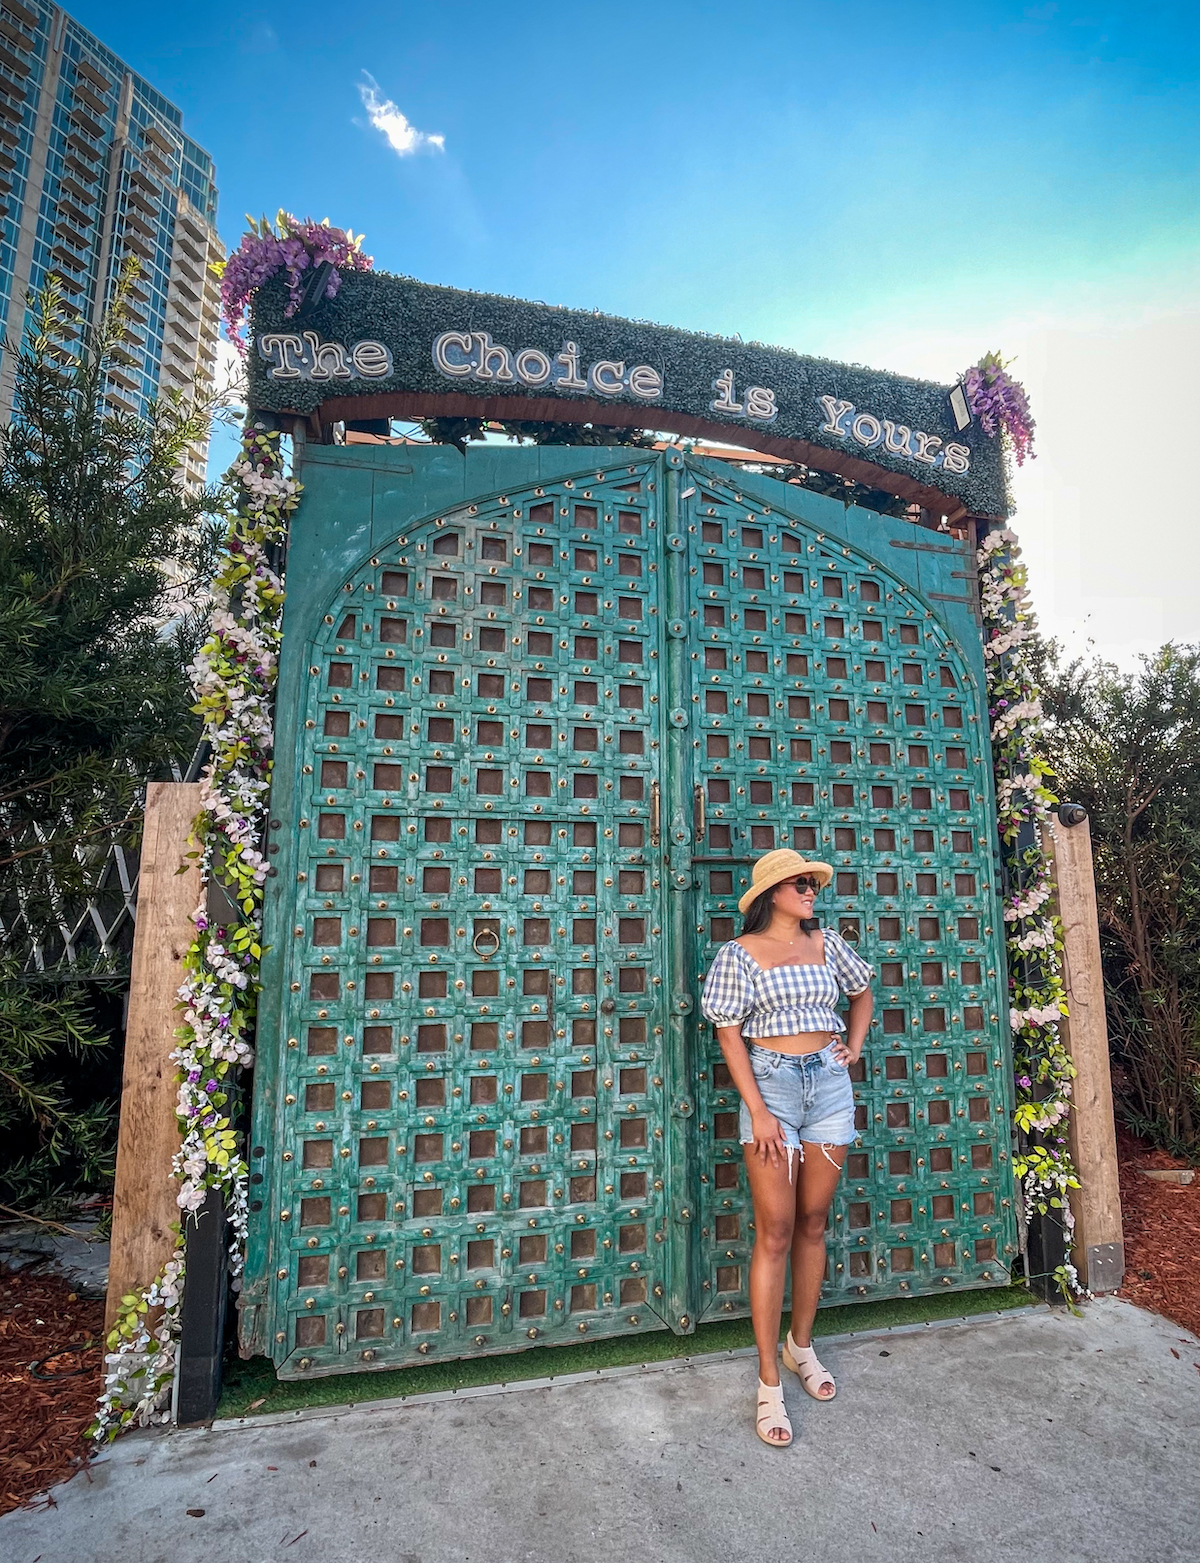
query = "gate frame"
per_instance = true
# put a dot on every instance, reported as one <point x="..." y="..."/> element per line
<point x="923" y="563"/>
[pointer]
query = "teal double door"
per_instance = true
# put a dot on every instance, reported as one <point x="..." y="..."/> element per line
<point x="538" y="711"/>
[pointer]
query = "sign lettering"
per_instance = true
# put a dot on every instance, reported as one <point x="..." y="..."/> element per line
<point x="302" y="355"/>
<point x="842" y="420"/>
<point x="472" y="355"/>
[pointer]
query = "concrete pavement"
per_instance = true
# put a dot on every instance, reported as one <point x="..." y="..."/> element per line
<point x="1031" y="1436"/>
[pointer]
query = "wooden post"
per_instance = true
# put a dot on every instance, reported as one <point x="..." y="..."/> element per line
<point x="144" y="1205"/>
<point x="1099" y="1251"/>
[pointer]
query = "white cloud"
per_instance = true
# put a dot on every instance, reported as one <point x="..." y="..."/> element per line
<point x="403" y="137"/>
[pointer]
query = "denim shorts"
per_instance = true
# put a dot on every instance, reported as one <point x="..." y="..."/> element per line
<point x="810" y="1094"/>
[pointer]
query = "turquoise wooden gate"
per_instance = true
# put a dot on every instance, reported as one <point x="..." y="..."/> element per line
<point x="538" y="711"/>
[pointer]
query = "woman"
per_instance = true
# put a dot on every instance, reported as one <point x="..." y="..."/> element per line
<point x="771" y="996"/>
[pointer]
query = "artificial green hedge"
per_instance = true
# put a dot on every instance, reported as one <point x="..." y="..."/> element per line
<point x="406" y="316"/>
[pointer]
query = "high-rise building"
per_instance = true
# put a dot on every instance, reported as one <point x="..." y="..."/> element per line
<point x="95" y="169"/>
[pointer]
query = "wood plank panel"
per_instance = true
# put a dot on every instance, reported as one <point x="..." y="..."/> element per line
<point x="1098" y="1254"/>
<point x="144" y="1205"/>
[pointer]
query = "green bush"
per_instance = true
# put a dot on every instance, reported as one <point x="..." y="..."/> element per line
<point x="1127" y="746"/>
<point x="59" y="1133"/>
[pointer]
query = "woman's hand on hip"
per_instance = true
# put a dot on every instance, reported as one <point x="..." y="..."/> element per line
<point x="845" y="1053"/>
<point x="769" y="1144"/>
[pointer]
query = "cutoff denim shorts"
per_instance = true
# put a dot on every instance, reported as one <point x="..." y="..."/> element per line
<point x="810" y="1094"/>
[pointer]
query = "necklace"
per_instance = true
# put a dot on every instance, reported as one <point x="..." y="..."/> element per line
<point x="808" y="925"/>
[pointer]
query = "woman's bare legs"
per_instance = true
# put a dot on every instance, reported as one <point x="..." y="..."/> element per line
<point x="816" y="1180"/>
<point x="789" y="1217"/>
<point x="774" y="1218"/>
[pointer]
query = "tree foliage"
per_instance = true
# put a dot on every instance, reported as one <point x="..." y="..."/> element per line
<point x="1127" y="746"/>
<point x="56" y="1141"/>
<point x="103" y="557"/>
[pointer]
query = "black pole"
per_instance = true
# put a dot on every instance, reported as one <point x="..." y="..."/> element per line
<point x="1045" y="1250"/>
<point x="202" y="1333"/>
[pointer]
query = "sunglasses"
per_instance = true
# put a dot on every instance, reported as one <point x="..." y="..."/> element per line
<point x="803" y="882"/>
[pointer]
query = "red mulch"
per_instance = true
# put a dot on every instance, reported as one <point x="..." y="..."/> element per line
<point x="1162" y="1235"/>
<point x="45" y="1327"/>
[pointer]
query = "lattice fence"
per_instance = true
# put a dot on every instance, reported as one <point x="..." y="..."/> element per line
<point x="81" y="921"/>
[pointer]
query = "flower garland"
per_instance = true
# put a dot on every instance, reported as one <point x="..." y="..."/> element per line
<point x="1025" y="804"/>
<point x="233" y="677"/>
<point x="1001" y="404"/>
<point x="291" y="246"/>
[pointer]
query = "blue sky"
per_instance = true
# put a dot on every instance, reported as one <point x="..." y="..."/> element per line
<point x="900" y="185"/>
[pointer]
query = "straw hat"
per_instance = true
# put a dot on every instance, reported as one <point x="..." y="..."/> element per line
<point x="778" y="865"/>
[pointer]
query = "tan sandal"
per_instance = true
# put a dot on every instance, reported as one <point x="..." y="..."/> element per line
<point x="772" y="1414"/>
<point x="802" y="1360"/>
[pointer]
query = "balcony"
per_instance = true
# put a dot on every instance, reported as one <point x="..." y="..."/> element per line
<point x="156" y="163"/>
<point x="68" y="258"/>
<point x="77" y="192"/>
<point x="70" y="213"/>
<point x="14" y="37"/>
<point x="65" y="230"/>
<point x="84" y="122"/>
<point x="89" y="99"/>
<point x="131" y="241"/>
<point x="135" y="200"/>
<point x="83" y="150"/>
<point x="181" y="308"/>
<point x="80" y="169"/>
<point x="22" y="13"/>
<point x="126" y="381"/>
<point x="88" y="71"/>
<point x="156" y="138"/>
<point x="13" y="62"/>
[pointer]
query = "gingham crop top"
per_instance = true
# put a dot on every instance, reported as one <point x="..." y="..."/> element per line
<point x="786" y="1000"/>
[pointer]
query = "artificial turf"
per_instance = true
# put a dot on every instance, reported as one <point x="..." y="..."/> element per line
<point x="251" y="1388"/>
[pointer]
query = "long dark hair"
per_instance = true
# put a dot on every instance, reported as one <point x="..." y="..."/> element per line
<point x="758" y="914"/>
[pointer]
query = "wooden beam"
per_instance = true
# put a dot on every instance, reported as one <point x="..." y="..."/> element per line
<point x="406" y="405"/>
<point x="144" y="1205"/>
<point x="1099" y="1251"/>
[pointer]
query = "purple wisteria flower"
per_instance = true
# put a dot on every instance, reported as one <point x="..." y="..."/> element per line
<point x="291" y="246"/>
<point x="1000" y="403"/>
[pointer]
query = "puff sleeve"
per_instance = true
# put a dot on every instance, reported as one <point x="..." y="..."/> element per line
<point x="728" y="995"/>
<point x="852" y="972"/>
